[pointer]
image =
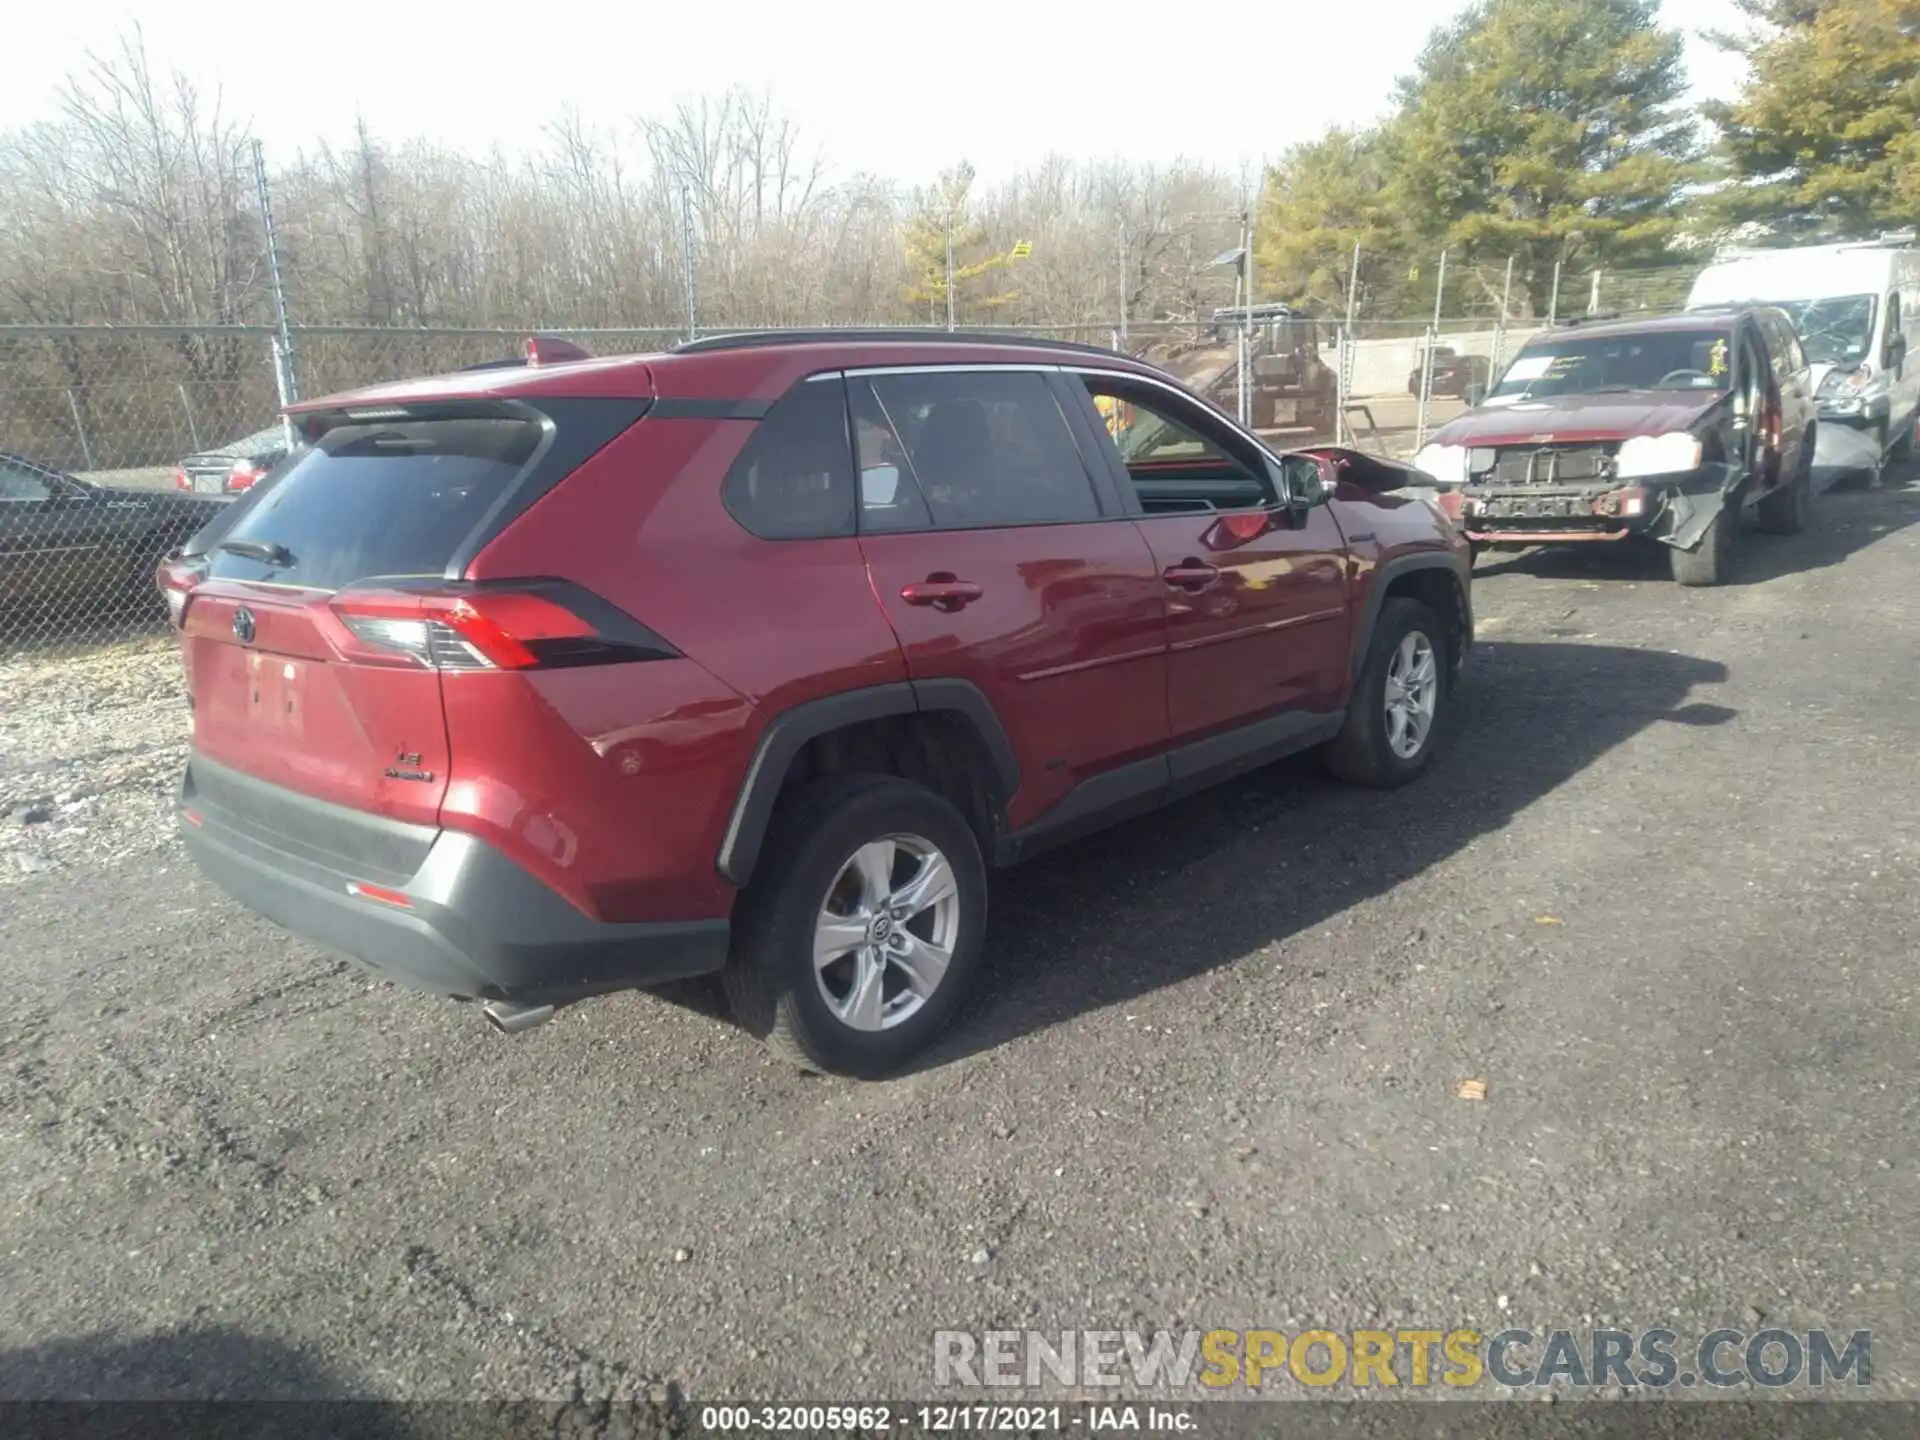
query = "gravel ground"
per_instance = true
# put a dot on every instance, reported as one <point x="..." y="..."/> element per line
<point x="1659" y="894"/>
<point x="90" y="755"/>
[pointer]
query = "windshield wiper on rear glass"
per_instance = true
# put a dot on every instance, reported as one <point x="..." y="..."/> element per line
<point x="264" y="551"/>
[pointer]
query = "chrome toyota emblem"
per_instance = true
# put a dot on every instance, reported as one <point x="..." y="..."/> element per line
<point x="243" y="625"/>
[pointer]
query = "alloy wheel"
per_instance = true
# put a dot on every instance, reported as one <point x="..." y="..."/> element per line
<point x="1413" y="692"/>
<point x="886" y="932"/>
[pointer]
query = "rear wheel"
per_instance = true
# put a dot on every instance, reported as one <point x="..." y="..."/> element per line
<point x="1398" y="702"/>
<point x="861" y="933"/>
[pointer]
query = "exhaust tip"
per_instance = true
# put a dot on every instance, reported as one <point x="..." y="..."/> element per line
<point x="513" y="1019"/>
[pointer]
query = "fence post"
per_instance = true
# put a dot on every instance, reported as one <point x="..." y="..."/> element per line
<point x="186" y="405"/>
<point x="1500" y="330"/>
<point x="1343" y="390"/>
<point x="80" y="429"/>
<point x="1426" y="358"/>
<point x="690" y="261"/>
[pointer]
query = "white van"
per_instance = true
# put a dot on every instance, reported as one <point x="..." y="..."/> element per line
<point x="1857" y="307"/>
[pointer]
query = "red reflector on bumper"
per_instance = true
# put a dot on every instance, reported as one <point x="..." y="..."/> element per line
<point x="380" y="893"/>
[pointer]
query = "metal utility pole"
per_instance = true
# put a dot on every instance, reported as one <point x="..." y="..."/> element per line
<point x="284" y="377"/>
<point x="690" y="261"/>
<point x="1426" y="363"/>
<point x="1553" y="300"/>
<point x="1246" y="318"/>
<point x="1124" y="280"/>
<point x="1593" y="294"/>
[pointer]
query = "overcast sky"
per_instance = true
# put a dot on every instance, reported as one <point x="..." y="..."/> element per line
<point x="900" y="89"/>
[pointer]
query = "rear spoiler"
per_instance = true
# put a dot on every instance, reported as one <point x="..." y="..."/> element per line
<point x="541" y="350"/>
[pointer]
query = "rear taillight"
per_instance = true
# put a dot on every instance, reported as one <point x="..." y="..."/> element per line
<point x="176" y="579"/>
<point x="542" y="624"/>
<point x="180" y="480"/>
<point x="245" y="475"/>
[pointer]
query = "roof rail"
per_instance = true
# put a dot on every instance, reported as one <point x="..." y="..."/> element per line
<point x="853" y="334"/>
<point x="1594" y="319"/>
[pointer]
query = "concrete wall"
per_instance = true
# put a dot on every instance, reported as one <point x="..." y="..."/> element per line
<point x="1381" y="367"/>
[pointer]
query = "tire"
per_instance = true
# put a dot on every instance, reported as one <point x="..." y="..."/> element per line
<point x="1784" y="512"/>
<point x="1902" y="449"/>
<point x="808" y="869"/>
<point x="1711" y="561"/>
<point x="1370" y="748"/>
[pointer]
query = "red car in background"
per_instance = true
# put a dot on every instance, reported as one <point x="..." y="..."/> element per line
<point x="1668" y="429"/>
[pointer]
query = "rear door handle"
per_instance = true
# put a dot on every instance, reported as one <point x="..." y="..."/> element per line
<point x="942" y="591"/>
<point x="1190" y="575"/>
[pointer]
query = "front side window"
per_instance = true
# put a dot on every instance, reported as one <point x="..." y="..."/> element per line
<point x="981" y="448"/>
<point x="1175" y="458"/>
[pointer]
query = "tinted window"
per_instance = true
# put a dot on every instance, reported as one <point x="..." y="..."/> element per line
<point x="890" y="497"/>
<point x="794" y="479"/>
<point x="380" y="500"/>
<point x="987" y="447"/>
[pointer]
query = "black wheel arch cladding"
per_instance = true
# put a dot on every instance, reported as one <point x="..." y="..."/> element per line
<point x="790" y="731"/>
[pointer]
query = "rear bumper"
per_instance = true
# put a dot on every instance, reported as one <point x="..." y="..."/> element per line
<point x="466" y="922"/>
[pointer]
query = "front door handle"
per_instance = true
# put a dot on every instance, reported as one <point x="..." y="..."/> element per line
<point x="1190" y="575"/>
<point x="942" y="591"/>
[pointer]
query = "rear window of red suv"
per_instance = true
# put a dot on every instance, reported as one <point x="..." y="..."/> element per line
<point x="387" y="499"/>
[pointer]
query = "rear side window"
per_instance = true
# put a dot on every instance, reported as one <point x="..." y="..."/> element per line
<point x="385" y="500"/>
<point x="987" y="447"/>
<point x="794" y="478"/>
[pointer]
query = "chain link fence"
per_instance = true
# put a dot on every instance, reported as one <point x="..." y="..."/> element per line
<point x="117" y="442"/>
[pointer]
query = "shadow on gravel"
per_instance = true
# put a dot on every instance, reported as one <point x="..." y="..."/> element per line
<point x="1841" y="522"/>
<point x="1217" y="877"/>
<point x="214" y="1363"/>
<point x="221" y="1384"/>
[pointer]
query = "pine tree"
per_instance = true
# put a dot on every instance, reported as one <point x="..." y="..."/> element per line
<point x="1547" y="130"/>
<point x="1825" y="138"/>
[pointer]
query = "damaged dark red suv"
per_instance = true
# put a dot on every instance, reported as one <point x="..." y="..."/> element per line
<point x="535" y="682"/>
<point x="1667" y="428"/>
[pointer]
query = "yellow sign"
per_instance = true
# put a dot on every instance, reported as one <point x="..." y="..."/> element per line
<point x="1021" y="250"/>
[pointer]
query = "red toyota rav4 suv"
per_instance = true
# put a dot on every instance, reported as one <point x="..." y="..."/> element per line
<point x="527" y="684"/>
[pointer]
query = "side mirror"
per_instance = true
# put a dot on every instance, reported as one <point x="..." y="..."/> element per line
<point x="1474" y="394"/>
<point x="1896" y="353"/>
